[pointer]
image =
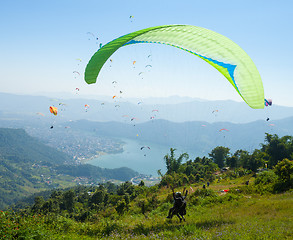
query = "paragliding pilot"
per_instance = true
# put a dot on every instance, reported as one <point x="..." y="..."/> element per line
<point x="179" y="207"/>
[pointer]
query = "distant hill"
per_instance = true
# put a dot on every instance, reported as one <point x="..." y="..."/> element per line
<point x="17" y="145"/>
<point x="105" y="109"/>
<point x="201" y="137"/>
<point x="28" y="166"/>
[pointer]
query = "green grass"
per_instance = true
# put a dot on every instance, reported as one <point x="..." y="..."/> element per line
<point x="226" y="216"/>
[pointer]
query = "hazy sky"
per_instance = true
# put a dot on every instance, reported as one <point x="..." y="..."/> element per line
<point x="42" y="40"/>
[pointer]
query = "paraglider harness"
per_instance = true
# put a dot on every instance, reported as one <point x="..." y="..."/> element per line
<point x="179" y="207"/>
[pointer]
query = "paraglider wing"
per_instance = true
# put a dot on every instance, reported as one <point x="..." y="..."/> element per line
<point x="268" y="102"/>
<point x="53" y="110"/>
<point x="145" y="147"/>
<point x="90" y="33"/>
<point x="223" y="129"/>
<point x="217" y="50"/>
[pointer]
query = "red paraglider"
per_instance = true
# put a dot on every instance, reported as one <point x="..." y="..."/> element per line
<point x="223" y="129"/>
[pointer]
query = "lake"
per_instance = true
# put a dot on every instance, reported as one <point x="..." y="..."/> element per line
<point x="146" y="161"/>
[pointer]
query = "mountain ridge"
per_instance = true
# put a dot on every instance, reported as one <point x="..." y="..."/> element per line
<point x="176" y="109"/>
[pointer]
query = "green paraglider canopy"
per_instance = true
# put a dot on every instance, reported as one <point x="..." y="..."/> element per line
<point x="219" y="51"/>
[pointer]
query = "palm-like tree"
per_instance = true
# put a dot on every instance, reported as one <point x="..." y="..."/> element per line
<point x="173" y="164"/>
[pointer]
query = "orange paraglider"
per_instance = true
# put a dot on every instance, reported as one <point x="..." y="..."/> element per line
<point x="53" y="110"/>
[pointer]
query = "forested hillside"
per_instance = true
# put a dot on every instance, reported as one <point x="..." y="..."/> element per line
<point x="28" y="166"/>
<point x="17" y="146"/>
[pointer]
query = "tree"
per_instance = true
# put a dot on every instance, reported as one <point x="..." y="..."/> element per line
<point x="68" y="200"/>
<point x="173" y="164"/>
<point x="39" y="201"/>
<point x="231" y="162"/>
<point x="219" y="155"/>
<point x="277" y="148"/>
<point x="284" y="169"/>
<point x="98" y="197"/>
<point x="121" y="206"/>
<point x="256" y="160"/>
<point x="141" y="184"/>
<point x="243" y="158"/>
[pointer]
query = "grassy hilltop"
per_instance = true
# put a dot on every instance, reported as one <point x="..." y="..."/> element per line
<point x="211" y="214"/>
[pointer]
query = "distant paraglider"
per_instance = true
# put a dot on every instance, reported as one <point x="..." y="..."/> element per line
<point x="76" y="72"/>
<point x="86" y="107"/>
<point x="78" y="59"/>
<point x="93" y="35"/>
<point x="223" y="130"/>
<point x="53" y="110"/>
<point x="145" y="147"/>
<point x="268" y="102"/>
<point x="39" y="113"/>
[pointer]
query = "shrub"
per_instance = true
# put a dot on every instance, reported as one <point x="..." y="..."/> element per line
<point x="265" y="178"/>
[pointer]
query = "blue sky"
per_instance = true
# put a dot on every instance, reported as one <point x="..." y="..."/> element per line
<point x="42" y="40"/>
